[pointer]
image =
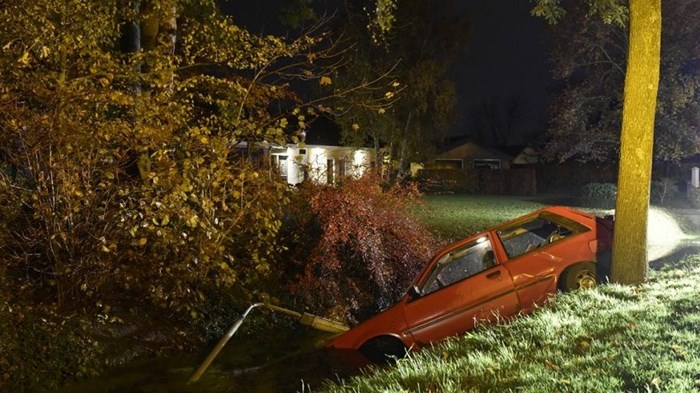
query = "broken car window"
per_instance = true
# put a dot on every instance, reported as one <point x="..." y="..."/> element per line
<point x="534" y="233"/>
<point x="460" y="263"/>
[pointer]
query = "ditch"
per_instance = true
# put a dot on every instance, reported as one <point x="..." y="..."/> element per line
<point x="269" y="362"/>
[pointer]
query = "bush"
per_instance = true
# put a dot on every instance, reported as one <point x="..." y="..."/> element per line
<point x="41" y="350"/>
<point x="599" y="194"/>
<point x="435" y="181"/>
<point x="663" y="189"/>
<point x="355" y="249"/>
<point x="694" y="196"/>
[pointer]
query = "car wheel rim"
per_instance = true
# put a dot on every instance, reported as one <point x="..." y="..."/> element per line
<point x="586" y="280"/>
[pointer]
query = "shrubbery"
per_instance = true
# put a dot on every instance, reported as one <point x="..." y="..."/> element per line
<point x="355" y="248"/>
<point x="600" y="194"/>
<point x="694" y="197"/>
<point x="123" y="184"/>
<point x="663" y="189"/>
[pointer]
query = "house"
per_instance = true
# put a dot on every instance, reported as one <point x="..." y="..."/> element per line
<point x="321" y="164"/>
<point x="467" y="155"/>
<point x="321" y="159"/>
<point x="471" y="155"/>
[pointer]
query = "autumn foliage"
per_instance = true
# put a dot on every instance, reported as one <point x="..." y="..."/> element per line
<point x="357" y="248"/>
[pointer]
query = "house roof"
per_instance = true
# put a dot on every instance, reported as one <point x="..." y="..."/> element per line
<point x="323" y="131"/>
<point x="471" y="149"/>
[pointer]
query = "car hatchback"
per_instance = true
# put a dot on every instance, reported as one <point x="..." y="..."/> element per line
<point x="500" y="272"/>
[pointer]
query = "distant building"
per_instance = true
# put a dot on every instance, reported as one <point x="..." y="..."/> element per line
<point x="320" y="164"/>
<point x="471" y="155"/>
<point x="467" y="155"/>
<point x="321" y="159"/>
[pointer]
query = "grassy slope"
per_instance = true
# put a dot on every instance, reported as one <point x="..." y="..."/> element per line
<point x="609" y="339"/>
<point x="456" y="216"/>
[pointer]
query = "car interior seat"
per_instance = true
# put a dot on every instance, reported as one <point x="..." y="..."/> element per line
<point x="489" y="259"/>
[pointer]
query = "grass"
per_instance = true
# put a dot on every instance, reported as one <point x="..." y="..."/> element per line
<point x="609" y="339"/>
<point x="454" y="217"/>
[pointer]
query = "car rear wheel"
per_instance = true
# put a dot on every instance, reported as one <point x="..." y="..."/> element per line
<point x="383" y="349"/>
<point x="579" y="276"/>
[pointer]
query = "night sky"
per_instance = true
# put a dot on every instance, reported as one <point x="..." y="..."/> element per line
<point x="506" y="56"/>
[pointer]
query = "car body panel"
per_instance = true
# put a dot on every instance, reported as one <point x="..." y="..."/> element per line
<point x="503" y="271"/>
<point x="461" y="305"/>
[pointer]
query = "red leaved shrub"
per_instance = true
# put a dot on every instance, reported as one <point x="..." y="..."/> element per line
<point x="354" y="248"/>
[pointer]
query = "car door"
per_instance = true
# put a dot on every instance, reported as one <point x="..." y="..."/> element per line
<point x="535" y="249"/>
<point x="463" y="285"/>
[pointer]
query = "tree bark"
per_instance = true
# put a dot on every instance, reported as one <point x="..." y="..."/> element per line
<point x="629" y="260"/>
<point x="403" y="158"/>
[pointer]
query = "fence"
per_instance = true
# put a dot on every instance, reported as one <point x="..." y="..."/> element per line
<point x="517" y="181"/>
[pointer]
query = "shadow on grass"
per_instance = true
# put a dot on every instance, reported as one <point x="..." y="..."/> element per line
<point x="571" y="201"/>
<point x="682" y="251"/>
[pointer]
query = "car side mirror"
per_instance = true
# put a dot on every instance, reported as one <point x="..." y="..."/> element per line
<point x="414" y="292"/>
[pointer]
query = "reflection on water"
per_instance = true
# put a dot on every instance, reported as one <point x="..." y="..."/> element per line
<point x="266" y="363"/>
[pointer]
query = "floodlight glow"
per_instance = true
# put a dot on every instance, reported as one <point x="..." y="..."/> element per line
<point x="663" y="234"/>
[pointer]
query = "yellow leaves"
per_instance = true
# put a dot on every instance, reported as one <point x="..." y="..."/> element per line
<point x="24" y="59"/>
<point x="44" y="52"/>
<point x="325" y="81"/>
<point x="192" y="221"/>
<point x="355" y="127"/>
<point x="389" y="95"/>
<point x="120" y="98"/>
<point x="143" y="241"/>
<point x="381" y="111"/>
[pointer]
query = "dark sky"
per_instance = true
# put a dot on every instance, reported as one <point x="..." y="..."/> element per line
<point x="506" y="57"/>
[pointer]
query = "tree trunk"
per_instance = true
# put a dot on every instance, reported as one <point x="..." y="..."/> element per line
<point x="403" y="158"/>
<point x="629" y="263"/>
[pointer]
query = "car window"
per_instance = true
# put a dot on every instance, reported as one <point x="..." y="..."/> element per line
<point x="460" y="263"/>
<point x="539" y="231"/>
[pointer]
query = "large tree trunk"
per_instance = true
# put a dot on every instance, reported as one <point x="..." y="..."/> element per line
<point x="629" y="263"/>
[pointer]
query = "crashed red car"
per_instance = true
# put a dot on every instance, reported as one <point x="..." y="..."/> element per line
<point x="503" y="271"/>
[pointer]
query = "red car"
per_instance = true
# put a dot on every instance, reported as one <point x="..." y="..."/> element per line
<point x="503" y="271"/>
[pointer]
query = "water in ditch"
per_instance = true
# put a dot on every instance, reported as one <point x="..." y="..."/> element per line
<point x="291" y="362"/>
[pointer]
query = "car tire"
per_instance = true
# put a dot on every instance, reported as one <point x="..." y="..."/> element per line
<point x="383" y="349"/>
<point x="579" y="276"/>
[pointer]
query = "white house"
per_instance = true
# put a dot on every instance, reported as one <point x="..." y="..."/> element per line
<point x="321" y="164"/>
